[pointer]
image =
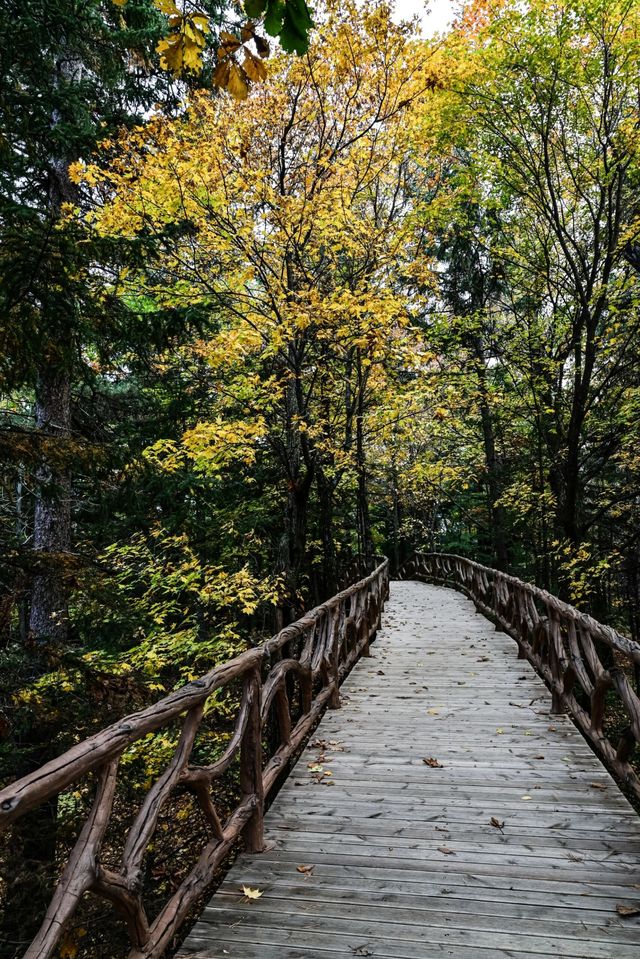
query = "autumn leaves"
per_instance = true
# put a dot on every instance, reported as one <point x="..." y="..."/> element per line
<point x="182" y="50"/>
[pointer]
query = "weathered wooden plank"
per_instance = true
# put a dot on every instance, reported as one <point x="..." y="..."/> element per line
<point x="467" y="895"/>
<point x="393" y="940"/>
<point x="396" y="918"/>
<point x="405" y="861"/>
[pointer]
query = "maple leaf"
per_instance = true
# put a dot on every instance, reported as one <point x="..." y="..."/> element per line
<point x="252" y="893"/>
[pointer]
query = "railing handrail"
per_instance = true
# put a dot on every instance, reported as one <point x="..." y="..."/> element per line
<point x="561" y="645"/>
<point x="333" y="636"/>
<point x="607" y="634"/>
<point x="85" y="756"/>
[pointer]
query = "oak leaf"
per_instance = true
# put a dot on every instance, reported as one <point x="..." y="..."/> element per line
<point x="237" y="84"/>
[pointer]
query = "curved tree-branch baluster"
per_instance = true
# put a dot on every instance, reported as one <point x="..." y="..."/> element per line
<point x="326" y="650"/>
<point x="562" y="644"/>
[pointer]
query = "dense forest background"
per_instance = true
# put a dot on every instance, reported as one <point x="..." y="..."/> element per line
<point x="268" y="311"/>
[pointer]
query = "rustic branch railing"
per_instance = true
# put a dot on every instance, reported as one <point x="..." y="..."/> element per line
<point x="318" y="650"/>
<point x="564" y="645"/>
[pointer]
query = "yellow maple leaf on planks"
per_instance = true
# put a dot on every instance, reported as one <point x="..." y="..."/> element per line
<point x="251" y="893"/>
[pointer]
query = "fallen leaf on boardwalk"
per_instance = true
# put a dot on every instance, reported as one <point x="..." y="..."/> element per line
<point x="433" y="712"/>
<point x="430" y="761"/>
<point x="574" y="858"/>
<point x="361" y="951"/>
<point x="307" y="870"/>
<point x="538" y="757"/>
<point x="552" y="729"/>
<point x="442" y="828"/>
<point x="598" y="785"/>
<point x="499" y="732"/>
<point x="380" y="672"/>
<point x="496" y="822"/>
<point x="251" y="893"/>
<point x="631" y="909"/>
<point x="315" y="768"/>
<point x="446" y="850"/>
<point x="525" y="797"/>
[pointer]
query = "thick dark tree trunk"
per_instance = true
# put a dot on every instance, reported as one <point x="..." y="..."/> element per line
<point x="493" y="485"/>
<point x="33" y="839"/>
<point x="329" y="585"/>
<point x="396" y="552"/>
<point x="52" y="522"/>
<point x="32" y="842"/>
<point x="300" y="470"/>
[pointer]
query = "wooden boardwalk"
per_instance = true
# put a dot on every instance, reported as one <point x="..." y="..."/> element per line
<point x="518" y="843"/>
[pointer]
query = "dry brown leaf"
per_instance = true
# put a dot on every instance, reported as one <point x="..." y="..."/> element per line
<point x="307" y="870"/>
<point x="254" y="67"/>
<point x="446" y="851"/>
<point x="262" y="46"/>
<point x="229" y="43"/>
<point x="221" y="74"/>
<point x="628" y="909"/>
<point x="496" y="823"/>
<point x="237" y="84"/>
<point x="430" y="761"/>
<point x="248" y="31"/>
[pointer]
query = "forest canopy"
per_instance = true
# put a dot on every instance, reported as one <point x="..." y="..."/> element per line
<point x="285" y="289"/>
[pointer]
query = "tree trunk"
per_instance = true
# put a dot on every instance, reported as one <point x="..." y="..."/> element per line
<point x="48" y="621"/>
<point x="497" y="533"/>
<point x="364" y="519"/>
<point x="329" y="585"/>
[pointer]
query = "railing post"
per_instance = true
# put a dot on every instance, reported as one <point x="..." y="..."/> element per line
<point x="555" y="659"/>
<point x="365" y="623"/>
<point x="251" y="782"/>
<point x="332" y="625"/>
